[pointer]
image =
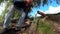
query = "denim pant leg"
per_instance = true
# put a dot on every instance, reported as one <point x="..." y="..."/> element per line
<point x="8" y="17"/>
<point x="21" y="19"/>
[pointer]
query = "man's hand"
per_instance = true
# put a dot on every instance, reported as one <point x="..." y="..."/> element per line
<point x="41" y="13"/>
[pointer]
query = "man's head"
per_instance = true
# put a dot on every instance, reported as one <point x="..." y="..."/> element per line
<point x="28" y="1"/>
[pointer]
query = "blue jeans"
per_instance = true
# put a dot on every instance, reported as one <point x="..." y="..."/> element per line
<point x="10" y="14"/>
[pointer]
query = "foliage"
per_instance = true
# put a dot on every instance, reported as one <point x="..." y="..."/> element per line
<point x="1" y="1"/>
<point x="5" y="11"/>
<point x="15" y="16"/>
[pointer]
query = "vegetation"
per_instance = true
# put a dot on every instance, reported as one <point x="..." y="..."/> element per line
<point x="1" y="1"/>
<point x="45" y="27"/>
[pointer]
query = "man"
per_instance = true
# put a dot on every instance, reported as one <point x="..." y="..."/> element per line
<point x="23" y="6"/>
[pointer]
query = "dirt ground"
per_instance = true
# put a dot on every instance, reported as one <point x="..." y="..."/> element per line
<point x="56" y="22"/>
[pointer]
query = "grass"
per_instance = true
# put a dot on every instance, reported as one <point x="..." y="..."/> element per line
<point x="44" y="27"/>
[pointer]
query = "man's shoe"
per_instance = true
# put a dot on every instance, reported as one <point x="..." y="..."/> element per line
<point x="23" y="27"/>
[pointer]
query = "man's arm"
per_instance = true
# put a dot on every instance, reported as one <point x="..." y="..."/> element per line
<point x="41" y="13"/>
